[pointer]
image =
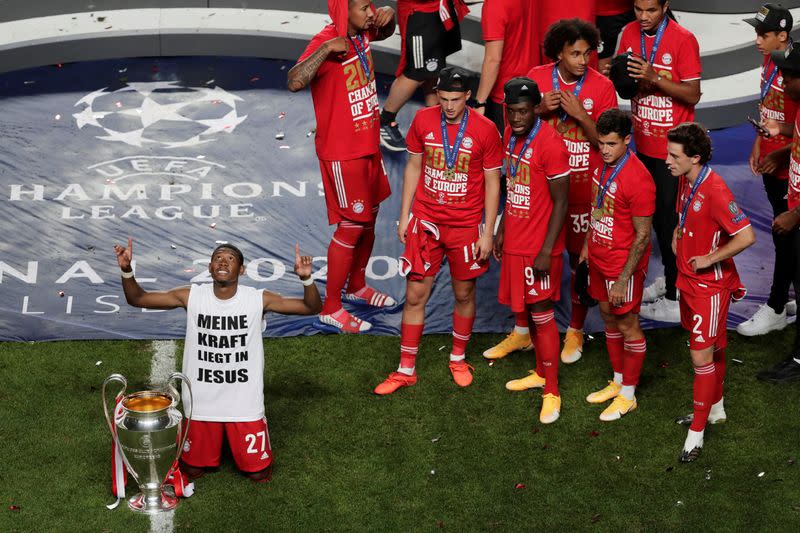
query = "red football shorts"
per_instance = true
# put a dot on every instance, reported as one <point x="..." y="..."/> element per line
<point x="705" y="318"/>
<point x="458" y="244"/>
<point x="577" y="223"/>
<point x="248" y="441"/>
<point x="354" y="188"/>
<point x="599" y="285"/>
<point x="520" y="286"/>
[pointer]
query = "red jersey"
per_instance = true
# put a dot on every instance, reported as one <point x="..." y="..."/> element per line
<point x="458" y="201"/>
<point x="597" y="95"/>
<point x="775" y="106"/>
<point x="345" y="101"/>
<point x="631" y="194"/>
<point x="550" y="11"/>
<point x="677" y="59"/>
<point x="529" y="204"/>
<point x="608" y="8"/>
<point x="510" y="21"/>
<point x="793" y="196"/>
<point x="711" y="220"/>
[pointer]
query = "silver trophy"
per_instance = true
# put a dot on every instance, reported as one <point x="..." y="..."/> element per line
<point x="146" y="429"/>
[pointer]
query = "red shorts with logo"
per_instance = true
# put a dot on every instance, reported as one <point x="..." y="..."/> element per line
<point x="354" y="188"/>
<point x="458" y="244"/>
<point x="248" y="441"/>
<point x="577" y="223"/>
<point x="520" y="286"/>
<point x="599" y="285"/>
<point x="706" y="318"/>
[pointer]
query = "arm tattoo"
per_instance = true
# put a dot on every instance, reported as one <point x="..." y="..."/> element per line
<point x="302" y="73"/>
<point x="642" y="226"/>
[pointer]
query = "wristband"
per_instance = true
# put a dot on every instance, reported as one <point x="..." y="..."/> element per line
<point x="126" y="275"/>
<point x="307" y="282"/>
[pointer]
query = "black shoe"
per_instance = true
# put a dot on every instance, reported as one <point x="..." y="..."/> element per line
<point x="786" y="371"/>
<point x="391" y="138"/>
<point x="690" y="456"/>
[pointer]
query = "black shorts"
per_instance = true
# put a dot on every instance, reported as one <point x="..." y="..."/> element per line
<point x="427" y="45"/>
<point x="610" y="28"/>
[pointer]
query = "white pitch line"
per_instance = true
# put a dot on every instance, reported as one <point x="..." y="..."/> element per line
<point x="162" y="365"/>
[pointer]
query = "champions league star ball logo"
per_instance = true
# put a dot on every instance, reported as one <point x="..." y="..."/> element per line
<point x="163" y="114"/>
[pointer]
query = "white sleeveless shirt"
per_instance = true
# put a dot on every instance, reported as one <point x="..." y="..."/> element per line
<point x="223" y="356"/>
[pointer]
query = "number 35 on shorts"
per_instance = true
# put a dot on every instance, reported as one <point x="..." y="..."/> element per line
<point x="580" y="223"/>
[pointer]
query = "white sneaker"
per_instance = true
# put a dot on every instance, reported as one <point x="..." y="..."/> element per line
<point x="655" y="290"/>
<point x="791" y="307"/>
<point x="662" y="310"/>
<point x="764" y="320"/>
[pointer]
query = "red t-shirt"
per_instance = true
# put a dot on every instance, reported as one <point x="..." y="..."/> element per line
<point x="511" y="21"/>
<point x="775" y="106"/>
<point x="460" y="201"/>
<point x="551" y="11"/>
<point x="677" y="59"/>
<point x="345" y="101"/>
<point x="607" y="8"/>
<point x="711" y="220"/>
<point x="597" y="95"/>
<point x="631" y="194"/>
<point x="793" y="196"/>
<point x="529" y="204"/>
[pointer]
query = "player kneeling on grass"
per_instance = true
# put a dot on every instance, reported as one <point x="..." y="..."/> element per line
<point x="223" y="356"/>
<point x="530" y="240"/>
<point x="453" y="178"/>
<point x="711" y="230"/>
<point x="618" y="250"/>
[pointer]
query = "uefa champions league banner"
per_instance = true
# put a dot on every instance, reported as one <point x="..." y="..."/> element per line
<point x="181" y="155"/>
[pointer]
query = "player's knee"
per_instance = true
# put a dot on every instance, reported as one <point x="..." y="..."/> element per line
<point x="416" y="297"/>
<point x="262" y="476"/>
<point x="464" y="295"/>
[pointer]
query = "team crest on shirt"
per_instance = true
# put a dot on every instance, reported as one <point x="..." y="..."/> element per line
<point x="358" y="207"/>
<point x="733" y="208"/>
<point x="612" y="188"/>
<point x="780" y="81"/>
<point x="600" y="47"/>
<point x="588" y="104"/>
<point x="187" y="445"/>
<point x="432" y="64"/>
<point x="697" y="205"/>
<point x="667" y="58"/>
<point x="528" y="153"/>
<point x="467" y="142"/>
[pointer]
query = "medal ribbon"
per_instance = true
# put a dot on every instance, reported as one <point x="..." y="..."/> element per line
<point x="771" y="78"/>
<point x="659" y="35"/>
<point x="602" y="188"/>
<point x="685" y="207"/>
<point x="512" y="143"/>
<point x="451" y="154"/>
<point x="361" y="53"/>
<point x="562" y="117"/>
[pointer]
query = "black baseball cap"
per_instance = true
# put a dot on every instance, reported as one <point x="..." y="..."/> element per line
<point x="454" y="79"/>
<point x="521" y="89"/>
<point x="625" y="85"/>
<point x="788" y="60"/>
<point x="772" y="17"/>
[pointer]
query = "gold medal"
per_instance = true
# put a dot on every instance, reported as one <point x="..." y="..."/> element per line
<point x="598" y="213"/>
<point x="680" y="233"/>
<point x="449" y="173"/>
<point x="562" y="127"/>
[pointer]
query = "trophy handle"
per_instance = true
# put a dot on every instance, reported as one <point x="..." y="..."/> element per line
<point x="187" y="414"/>
<point x="110" y="419"/>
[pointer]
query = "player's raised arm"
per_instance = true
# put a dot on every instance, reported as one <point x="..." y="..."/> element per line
<point x="138" y="297"/>
<point x="304" y="71"/>
<point x="309" y="304"/>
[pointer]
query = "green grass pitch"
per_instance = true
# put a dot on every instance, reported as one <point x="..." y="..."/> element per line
<point x="429" y="457"/>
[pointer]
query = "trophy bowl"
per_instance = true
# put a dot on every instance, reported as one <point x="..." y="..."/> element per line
<point x="147" y="428"/>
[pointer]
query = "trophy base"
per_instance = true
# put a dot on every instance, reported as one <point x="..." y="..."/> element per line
<point x="152" y="505"/>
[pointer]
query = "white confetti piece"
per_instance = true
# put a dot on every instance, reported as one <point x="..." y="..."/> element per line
<point x="280" y="135"/>
<point x="58" y="117"/>
<point x="761" y="474"/>
<point x="98" y="363"/>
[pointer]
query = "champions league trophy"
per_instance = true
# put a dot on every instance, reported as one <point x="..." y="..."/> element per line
<point x="145" y="428"/>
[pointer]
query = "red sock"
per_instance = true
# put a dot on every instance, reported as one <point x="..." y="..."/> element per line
<point x="634" y="359"/>
<point x="462" y="330"/>
<point x="547" y="349"/>
<point x="358" y="270"/>
<point x="409" y="344"/>
<point x="705" y="385"/>
<point x="579" y="311"/>
<point x="537" y="349"/>
<point x="616" y="349"/>
<point x="340" y="258"/>
<point x="719" y="372"/>
<point x="521" y="319"/>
